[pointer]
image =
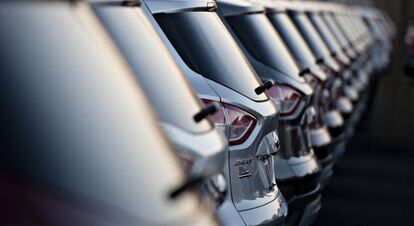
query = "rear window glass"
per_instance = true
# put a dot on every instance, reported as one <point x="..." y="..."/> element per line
<point x="335" y="30"/>
<point x="261" y="40"/>
<point x="209" y="49"/>
<point x="325" y="33"/>
<point x="155" y="69"/>
<point x="311" y="35"/>
<point x="344" y="25"/>
<point x="293" y="38"/>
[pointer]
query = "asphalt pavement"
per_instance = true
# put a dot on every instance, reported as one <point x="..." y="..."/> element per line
<point x="374" y="182"/>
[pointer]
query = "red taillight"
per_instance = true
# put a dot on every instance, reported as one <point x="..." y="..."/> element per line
<point x="240" y="122"/>
<point x="288" y="98"/>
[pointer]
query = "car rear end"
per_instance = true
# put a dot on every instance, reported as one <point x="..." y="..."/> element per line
<point x="248" y="118"/>
<point x="296" y="165"/>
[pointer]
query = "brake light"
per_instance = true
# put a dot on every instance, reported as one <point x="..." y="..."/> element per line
<point x="288" y="98"/>
<point x="240" y="122"/>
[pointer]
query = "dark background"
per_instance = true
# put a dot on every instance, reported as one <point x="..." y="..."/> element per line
<point x="374" y="183"/>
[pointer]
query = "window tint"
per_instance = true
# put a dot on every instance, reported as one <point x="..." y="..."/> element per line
<point x="335" y="30"/>
<point x="343" y="24"/>
<point x="325" y="33"/>
<point x="311" y="35"/>
<point x="155" y="69"/>
<point x="261" y="40"/>
<point x="209" y="49"/>
<point x="293" y="39"/>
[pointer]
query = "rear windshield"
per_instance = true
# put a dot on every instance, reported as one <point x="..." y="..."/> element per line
<point x="344" y="25"/>
<point x="335" y="30"/>
<point x="292" y="38"/>
<point x="155" y="69"/>
<point x="263" y="43"/>
<point x="311" y="35"/>
<point x="209" y="49"/>
<point x="357" y="24"/>
<point x="325" y="33"/>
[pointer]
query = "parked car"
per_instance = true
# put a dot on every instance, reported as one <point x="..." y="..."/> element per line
<point x="338" y="54"/>
<point x="381" y="50"/>
<point x="216" y="68"/>
<point x="297" y="170"/>
<point x="355" y="64"/>
<point x="382" y="39"/>
<point x="353" y="40"/>
<point x="326" y="91"/>
<point x="337" y="101"/>
<point x="80" y="143"/>
<point x="359" y="40"/>
<point x="351" y="70"/>
<point x="409" y="37"/>
<point x="201" y="148"/>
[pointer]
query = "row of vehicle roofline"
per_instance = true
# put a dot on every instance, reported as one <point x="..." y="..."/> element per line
<point x="256" y="99"/>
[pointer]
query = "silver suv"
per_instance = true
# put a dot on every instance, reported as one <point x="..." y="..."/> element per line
<point x="220" y="74"/>
<point x="80" y="143"/>
<point x="200" y="147"/>
<point x="297" y="168"/>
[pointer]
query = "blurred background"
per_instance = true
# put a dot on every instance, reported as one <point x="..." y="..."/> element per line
<point x="392" y="125"/>
<point x="374" y="185"/>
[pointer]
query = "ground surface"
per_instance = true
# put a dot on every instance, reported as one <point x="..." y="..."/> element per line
<point x="374" y="183"/>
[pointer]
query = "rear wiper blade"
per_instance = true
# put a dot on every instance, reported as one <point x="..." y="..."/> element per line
<point x="208" y="110"/>
<point x="306" y="71"/>
<point x="266" y="85"/>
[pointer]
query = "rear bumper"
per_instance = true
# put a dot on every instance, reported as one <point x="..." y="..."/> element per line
<point x="311" y="212"/>
<point x="303" y="195"/>
<point x="326" y="160"/>
<point x="338" y="147"/>
<point x="340" y="137"/>
<point x="360" y="108"/>
<point x="327" y="171"/>
<point x="265" y="215"/>
<point x="320" y="137"/>
<point x="307" y="215"/>
<point x="273" y="213"/>
<point x="355" y="117"/>
<point x="345" y="106"/>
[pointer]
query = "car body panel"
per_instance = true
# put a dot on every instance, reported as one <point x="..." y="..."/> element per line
<point x="88" y="157"/>
<point x="248" y="152"/>
<point x="166" y="87"/>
